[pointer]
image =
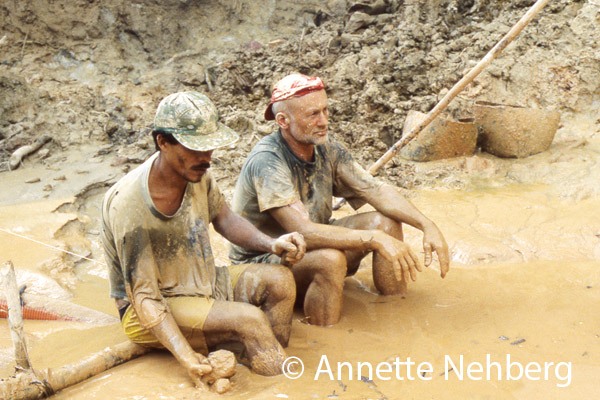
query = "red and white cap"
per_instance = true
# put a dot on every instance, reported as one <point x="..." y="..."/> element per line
<point x="294" y="85"/>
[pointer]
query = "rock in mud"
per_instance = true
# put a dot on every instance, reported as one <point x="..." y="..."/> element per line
<point x="337" y="7"/>
<point x="221" y="385"/>
<point x="223" y="364"/>
<point x="24" y="151"/>
<point x="359" y="20"/>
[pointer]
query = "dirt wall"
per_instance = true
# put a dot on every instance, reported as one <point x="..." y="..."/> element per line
<point x="93" y="72"/>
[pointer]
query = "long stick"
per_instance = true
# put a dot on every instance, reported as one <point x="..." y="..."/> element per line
<point x="15" y="315"/>
<point x="468" y="78"/>
<point x="30" y="385"/>
<point x="456" y="89"/>
<point x="42" y="383"/>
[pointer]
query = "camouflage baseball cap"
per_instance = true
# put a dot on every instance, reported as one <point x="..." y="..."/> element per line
<point x="193" y="120"/>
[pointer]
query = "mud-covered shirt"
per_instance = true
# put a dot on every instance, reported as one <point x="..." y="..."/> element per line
<point x="150" y="255"/>
<point x="273" y="176"/>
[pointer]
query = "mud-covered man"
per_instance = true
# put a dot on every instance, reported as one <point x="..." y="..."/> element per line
<point x="287" y="184"/>
<point x="162" y="274"/>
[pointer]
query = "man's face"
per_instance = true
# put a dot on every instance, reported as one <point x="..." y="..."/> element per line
<point x="308" y="118"/>
<point x="189" y="164"/>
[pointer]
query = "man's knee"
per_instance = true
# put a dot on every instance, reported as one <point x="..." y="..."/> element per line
<point x="331" y="267"/>
<point x="251" y="321"/>
<point x="260" y="280"/>
<point x="387" y="225"/>
<point x="279" y="280"/>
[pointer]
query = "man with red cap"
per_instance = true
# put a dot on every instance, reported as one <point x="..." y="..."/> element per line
<point x="287" y="184"/>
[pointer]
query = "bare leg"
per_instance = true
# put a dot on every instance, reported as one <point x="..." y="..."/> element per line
<point x="319" y="282"/>
<point x="270" y="287"/>
<point x="383" y="273"/>
<point x="234" y="321"/>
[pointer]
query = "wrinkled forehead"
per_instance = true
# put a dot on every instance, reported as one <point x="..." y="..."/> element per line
<point x="311" y="101"/>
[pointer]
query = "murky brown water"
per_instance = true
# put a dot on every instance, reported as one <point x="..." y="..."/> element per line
<point x="524" y="283"/>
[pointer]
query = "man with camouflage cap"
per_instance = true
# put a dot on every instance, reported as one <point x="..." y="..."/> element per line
<point x="162" y="274"/>
<point x="287" y="184"/>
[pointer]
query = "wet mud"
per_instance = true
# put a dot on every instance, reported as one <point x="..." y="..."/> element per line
<point x="523" y="281"/>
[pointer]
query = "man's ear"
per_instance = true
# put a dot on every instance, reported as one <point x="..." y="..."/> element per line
<point x="160" y="141"/>
<point x="283" y="120"/>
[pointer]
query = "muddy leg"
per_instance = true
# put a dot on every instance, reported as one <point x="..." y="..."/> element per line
<point x="270" y="287"/>
<point x="383" y="274"/>
<point x="320" y="282"/>
<point x="245" y="323"/>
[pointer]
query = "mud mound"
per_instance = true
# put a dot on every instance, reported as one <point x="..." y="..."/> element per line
<point x="403" y="57"/>
<point x="90" y="72"/>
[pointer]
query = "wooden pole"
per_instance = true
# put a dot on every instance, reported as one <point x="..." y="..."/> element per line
<point x="15" y="316"/>
<point x="42" y="383"/>
<point x="468" y="78"/>
<point x="30" y="384"/>
<point x="456" y="89"/>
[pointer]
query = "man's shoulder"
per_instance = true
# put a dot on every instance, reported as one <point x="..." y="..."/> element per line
<point x="334" y="152"/>
<point x="129" y="187"/>
<point x="270" y="143"/>
<point x="329" y="155"/>
<point x="268" y="148"/>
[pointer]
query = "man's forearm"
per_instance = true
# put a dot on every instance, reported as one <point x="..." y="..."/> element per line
<point x="294" y="218"/>
<point x="241" y="232"/>
<point x="392" y="204"/>
<point x="169" y="335"/>
<point x="318" y="236"/>
<point x="248" y="236"/>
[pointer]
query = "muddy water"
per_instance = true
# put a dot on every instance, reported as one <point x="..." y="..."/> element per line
<point x="524" y="284"/>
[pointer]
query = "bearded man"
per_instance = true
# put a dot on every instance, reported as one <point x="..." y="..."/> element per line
<point x="287" y="184"/>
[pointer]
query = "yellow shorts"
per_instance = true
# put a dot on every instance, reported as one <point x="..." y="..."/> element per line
<point x="235" y="271"/>
<point x="189" y="313"/>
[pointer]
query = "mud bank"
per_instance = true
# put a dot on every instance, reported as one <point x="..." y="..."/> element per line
<point x="96" y="79"/>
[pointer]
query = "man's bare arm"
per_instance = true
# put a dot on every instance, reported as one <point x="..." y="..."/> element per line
<point x="294" y="217"/>
<point x="391" y="203"/>
<point x="169" y="335"/>
<point x="241" y="232"/>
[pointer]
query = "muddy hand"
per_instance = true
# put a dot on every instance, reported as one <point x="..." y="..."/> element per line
<point x="291" y="247"/>
<point x="433" y="240"/>
<point x="403" y="259"/>
<point x="197" y="369"/>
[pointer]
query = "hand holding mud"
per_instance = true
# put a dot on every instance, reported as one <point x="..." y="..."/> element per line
<point x="214" y="370"/>
<point x="290" y="247"/>
<point x="197" y="367"/>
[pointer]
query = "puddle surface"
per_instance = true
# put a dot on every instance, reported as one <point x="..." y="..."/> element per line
<point x="523" y="283"/>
